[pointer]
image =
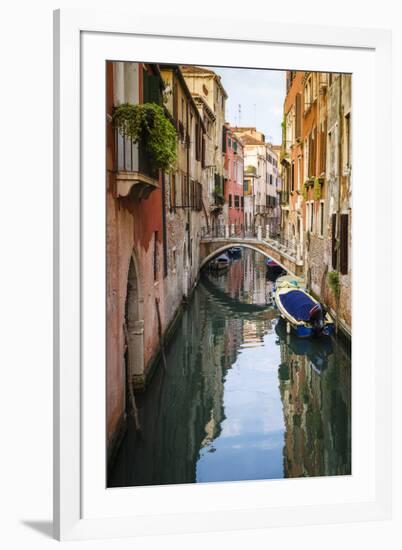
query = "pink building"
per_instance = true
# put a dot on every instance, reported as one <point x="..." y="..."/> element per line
<point x="233" y="170"/>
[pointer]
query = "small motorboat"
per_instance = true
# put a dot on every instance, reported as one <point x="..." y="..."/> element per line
<point x="303" y="312"/>
<point x="290" y="281"/>
<point x="219" y="263"/>
<point x="274" y="270"/>
<point x="235" y="251"/>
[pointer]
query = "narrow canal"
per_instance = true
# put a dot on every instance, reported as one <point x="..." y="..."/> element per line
<point x="240" y="399"/>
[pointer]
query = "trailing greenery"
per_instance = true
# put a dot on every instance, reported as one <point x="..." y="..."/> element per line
<point x="147" y="123"/>
<point x="334" y="283"/>
<point x="317" y="189"/>
<point x="218" y="195"/>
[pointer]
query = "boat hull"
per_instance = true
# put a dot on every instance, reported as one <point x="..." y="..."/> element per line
<point x="302" y="328"/>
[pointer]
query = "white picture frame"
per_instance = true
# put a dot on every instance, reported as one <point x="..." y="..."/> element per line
<point x="83" y="507"/>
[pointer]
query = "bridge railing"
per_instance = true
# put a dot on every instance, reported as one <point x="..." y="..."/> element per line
<point x="276" y="239"/>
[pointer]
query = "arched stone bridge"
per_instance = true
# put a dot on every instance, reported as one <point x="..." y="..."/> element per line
<point x="282" y="252"/>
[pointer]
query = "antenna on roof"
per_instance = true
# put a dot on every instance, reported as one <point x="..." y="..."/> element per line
<point x="239" y="123"/>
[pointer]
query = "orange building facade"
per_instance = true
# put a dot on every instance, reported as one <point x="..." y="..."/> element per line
<point x="316" y="187"/>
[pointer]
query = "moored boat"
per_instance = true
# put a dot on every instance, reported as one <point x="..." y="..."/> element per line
<point x="273" y="269"/>
<point x="290" y="281"/>
<point x="219" y="263"/>
<point x="303" y="312"/>
<point x="235" y="251"/>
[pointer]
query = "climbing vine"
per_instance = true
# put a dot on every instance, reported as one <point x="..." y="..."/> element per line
<point x="147" y="123"/>
<point x="333" y="282"/>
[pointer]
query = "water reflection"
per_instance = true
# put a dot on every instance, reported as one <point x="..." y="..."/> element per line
<point x="240" y="399"/>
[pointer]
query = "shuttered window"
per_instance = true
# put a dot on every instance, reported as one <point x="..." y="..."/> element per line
<point x="298" y="116"/>
<point x="293" y="177"/>
<point x="151" y="88"/>
<point x="224" y="132"/>
<point x="312" y="150"/>
<point x="175" y="103"/>
<point x="172" y="191"/>
<point x="185" y="191"/>
<point x="344" y="243"/>
<point x="323" y="147"/>
<point x="197" y="141"/>
<point x="333" y="235"/>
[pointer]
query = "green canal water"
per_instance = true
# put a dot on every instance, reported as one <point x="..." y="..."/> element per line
<point x="240" y="399"/>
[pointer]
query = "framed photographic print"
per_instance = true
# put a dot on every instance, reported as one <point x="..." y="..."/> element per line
<point x="217" y="230"/>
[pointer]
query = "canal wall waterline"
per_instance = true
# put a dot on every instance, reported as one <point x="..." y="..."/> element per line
<point x="345" y="329"/>
<point x="150" y="370"/>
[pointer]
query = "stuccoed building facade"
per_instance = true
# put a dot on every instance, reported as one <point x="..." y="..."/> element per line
<point x="206" y="87"/>
<point x="154" y="220"/>
<point x="233" y="208"/>
<point x="316" y="197"/>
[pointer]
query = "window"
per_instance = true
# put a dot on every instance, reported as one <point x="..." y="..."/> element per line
<point x="175" y="102"/>
<point x="242" y="202"/>
<point x="237" y="201"/>
<point x="230" y="201"/>
<point x="312" y="154"/>
<point x="307" y="95"/>
<point x="298" y="173"/>
<point x="321" y="219"/>
<point x="333" y="244"/>
<point x="197" y="142"/>
<point x="185" y="191"/>
<point x="348" y="140"/>
<point x="172" y="191"/>
<point x="174" y="258"/>
<point x="155" y="256"/>
<point x="323" y="147"/>
<point x="344" y="243"/>
<point x="192" y="194"/>
<point x="306" y="155"/>
<point x="298" y="116"/>
<point x="292" y="188"/>
<point x="310" y="216"/>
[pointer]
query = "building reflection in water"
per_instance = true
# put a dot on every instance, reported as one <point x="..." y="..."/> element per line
<point x="240" y="399"/>
<point x="315" y="387"/>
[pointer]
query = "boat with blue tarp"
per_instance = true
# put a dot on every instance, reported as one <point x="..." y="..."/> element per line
<point x="304" y="313"/>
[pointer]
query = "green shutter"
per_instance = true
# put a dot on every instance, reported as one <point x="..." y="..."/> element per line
<point x="152" y="88"/>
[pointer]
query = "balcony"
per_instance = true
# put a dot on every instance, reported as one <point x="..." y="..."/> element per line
<point x="136" y="175"/>
<point x="260" y="209"/>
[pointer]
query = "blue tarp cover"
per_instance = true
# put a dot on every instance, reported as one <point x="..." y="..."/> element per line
<point x="297" y="304"/>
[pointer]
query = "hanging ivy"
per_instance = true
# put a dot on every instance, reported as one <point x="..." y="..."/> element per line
<point x="333" y="281"/>
<point x="147" y="123"/>
<point x="317" y="189"/>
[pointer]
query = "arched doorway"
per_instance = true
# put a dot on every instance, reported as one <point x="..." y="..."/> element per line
<point x="134" y="328"/>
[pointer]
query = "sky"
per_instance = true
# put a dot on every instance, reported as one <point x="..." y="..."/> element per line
<point x="260" y="93"/>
